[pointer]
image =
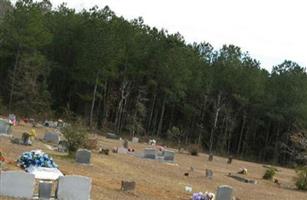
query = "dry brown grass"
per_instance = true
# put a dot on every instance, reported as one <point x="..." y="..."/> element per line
<point x="157" y="180"/>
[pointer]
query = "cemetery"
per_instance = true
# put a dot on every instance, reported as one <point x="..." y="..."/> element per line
<point x="148" y="172"/>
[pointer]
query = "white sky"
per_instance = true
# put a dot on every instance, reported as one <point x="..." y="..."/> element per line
<point x="270" y="30"/>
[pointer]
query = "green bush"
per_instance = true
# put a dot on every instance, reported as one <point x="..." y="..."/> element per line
<point x="76" y="137"/>
<point x="301" y="181"/>
<point x="269" y="174"/>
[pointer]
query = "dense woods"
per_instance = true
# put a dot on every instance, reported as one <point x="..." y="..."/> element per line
<point x="132" y="78"/>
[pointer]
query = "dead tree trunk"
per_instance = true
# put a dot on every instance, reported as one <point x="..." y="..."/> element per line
<point x="217" y="111"/>
<point x="151" y="112"/>
<point x="241" y="134"/>
<point x="105" y="103"/>
<point x="124" y="95"/>
<point x="94" y="99"/>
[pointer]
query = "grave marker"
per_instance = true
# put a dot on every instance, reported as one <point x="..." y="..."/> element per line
<point x="52" y="137"/>
<point x="125" y="144"/>
<point x="63" y="146"/>
<point x="5" y="127"/>
<point x="74" y="188"/>
<point x="211" y="157"/>
<point x="229" y="160"/>
<point x="128" y="185"/>
<point x="224" y="192"/>
<point x="168" y="155"/>
<point x="209" y="173"/>
<point x="17" y="184"/>
<point x="44" y="190"/>
<point x="83" y="156"/>
<point x="112" y="136"/>
<point x="135" y="140"/>
<point x="150" y="153"/>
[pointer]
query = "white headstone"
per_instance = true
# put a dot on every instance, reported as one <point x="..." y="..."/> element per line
<point x="224" y="192"/>
<point x="17" y="184"/>
<point x="83" y="156"/>
<point x="169" y="155"/>
<point x="135" y="140"/>
<point x="52" y="137"/>
<point x="74" y="188"/>
<point x="150" y="153"/>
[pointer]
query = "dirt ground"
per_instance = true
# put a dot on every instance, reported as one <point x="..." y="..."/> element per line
<point x="158" y="180"/>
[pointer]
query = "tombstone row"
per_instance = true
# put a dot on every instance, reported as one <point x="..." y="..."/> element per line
<point x="68" y="188"/>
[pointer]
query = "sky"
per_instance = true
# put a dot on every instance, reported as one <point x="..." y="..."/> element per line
<point x="270" y="30"/>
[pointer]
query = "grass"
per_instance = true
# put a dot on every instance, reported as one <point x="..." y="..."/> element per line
<point x="158" y="180"/>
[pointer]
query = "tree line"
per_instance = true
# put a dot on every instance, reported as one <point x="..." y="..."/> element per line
<point x="132" y="78"/>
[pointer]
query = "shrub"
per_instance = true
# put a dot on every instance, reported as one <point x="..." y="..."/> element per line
<point x="91" y="143"/>
<point x="269" y="174"/>
<point x="194" y="149"/>
<point x="76" y="137"/>
<point x="301" y="181"/>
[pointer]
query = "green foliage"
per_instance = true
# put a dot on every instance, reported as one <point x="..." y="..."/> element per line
<point x="174" y="132"/>
<point x="301" y="181"/>
<point x="269" y="173"/>
<point x="194" y="149"/>
<point x="30" y="89"/>
<point x="76" y="136"/>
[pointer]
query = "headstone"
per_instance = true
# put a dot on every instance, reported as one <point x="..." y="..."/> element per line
<point x="229" y="161"/>
<point x="74" y="188"/>
<point x="112" y="136"/>
<point x="17" y="184"/>
<point x="52" y="137"/>
<point x="127" y="185"/>
<point x="12" y="119"/>
<point x="169" y="155"/>
<point x="5" y="127"/>
<point x="150" y="153"/>
<point x="135" y="140"/>
<point x="26" y="139"/>
<point x="125" y="144"/>
<point x="211" y="157"/>
<point x="83" y="156"/>
<point x="44" y="190"/>
<point x="224" y="192"/>
<point x="63" y="146"/>
<point x="209" y="173"/>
